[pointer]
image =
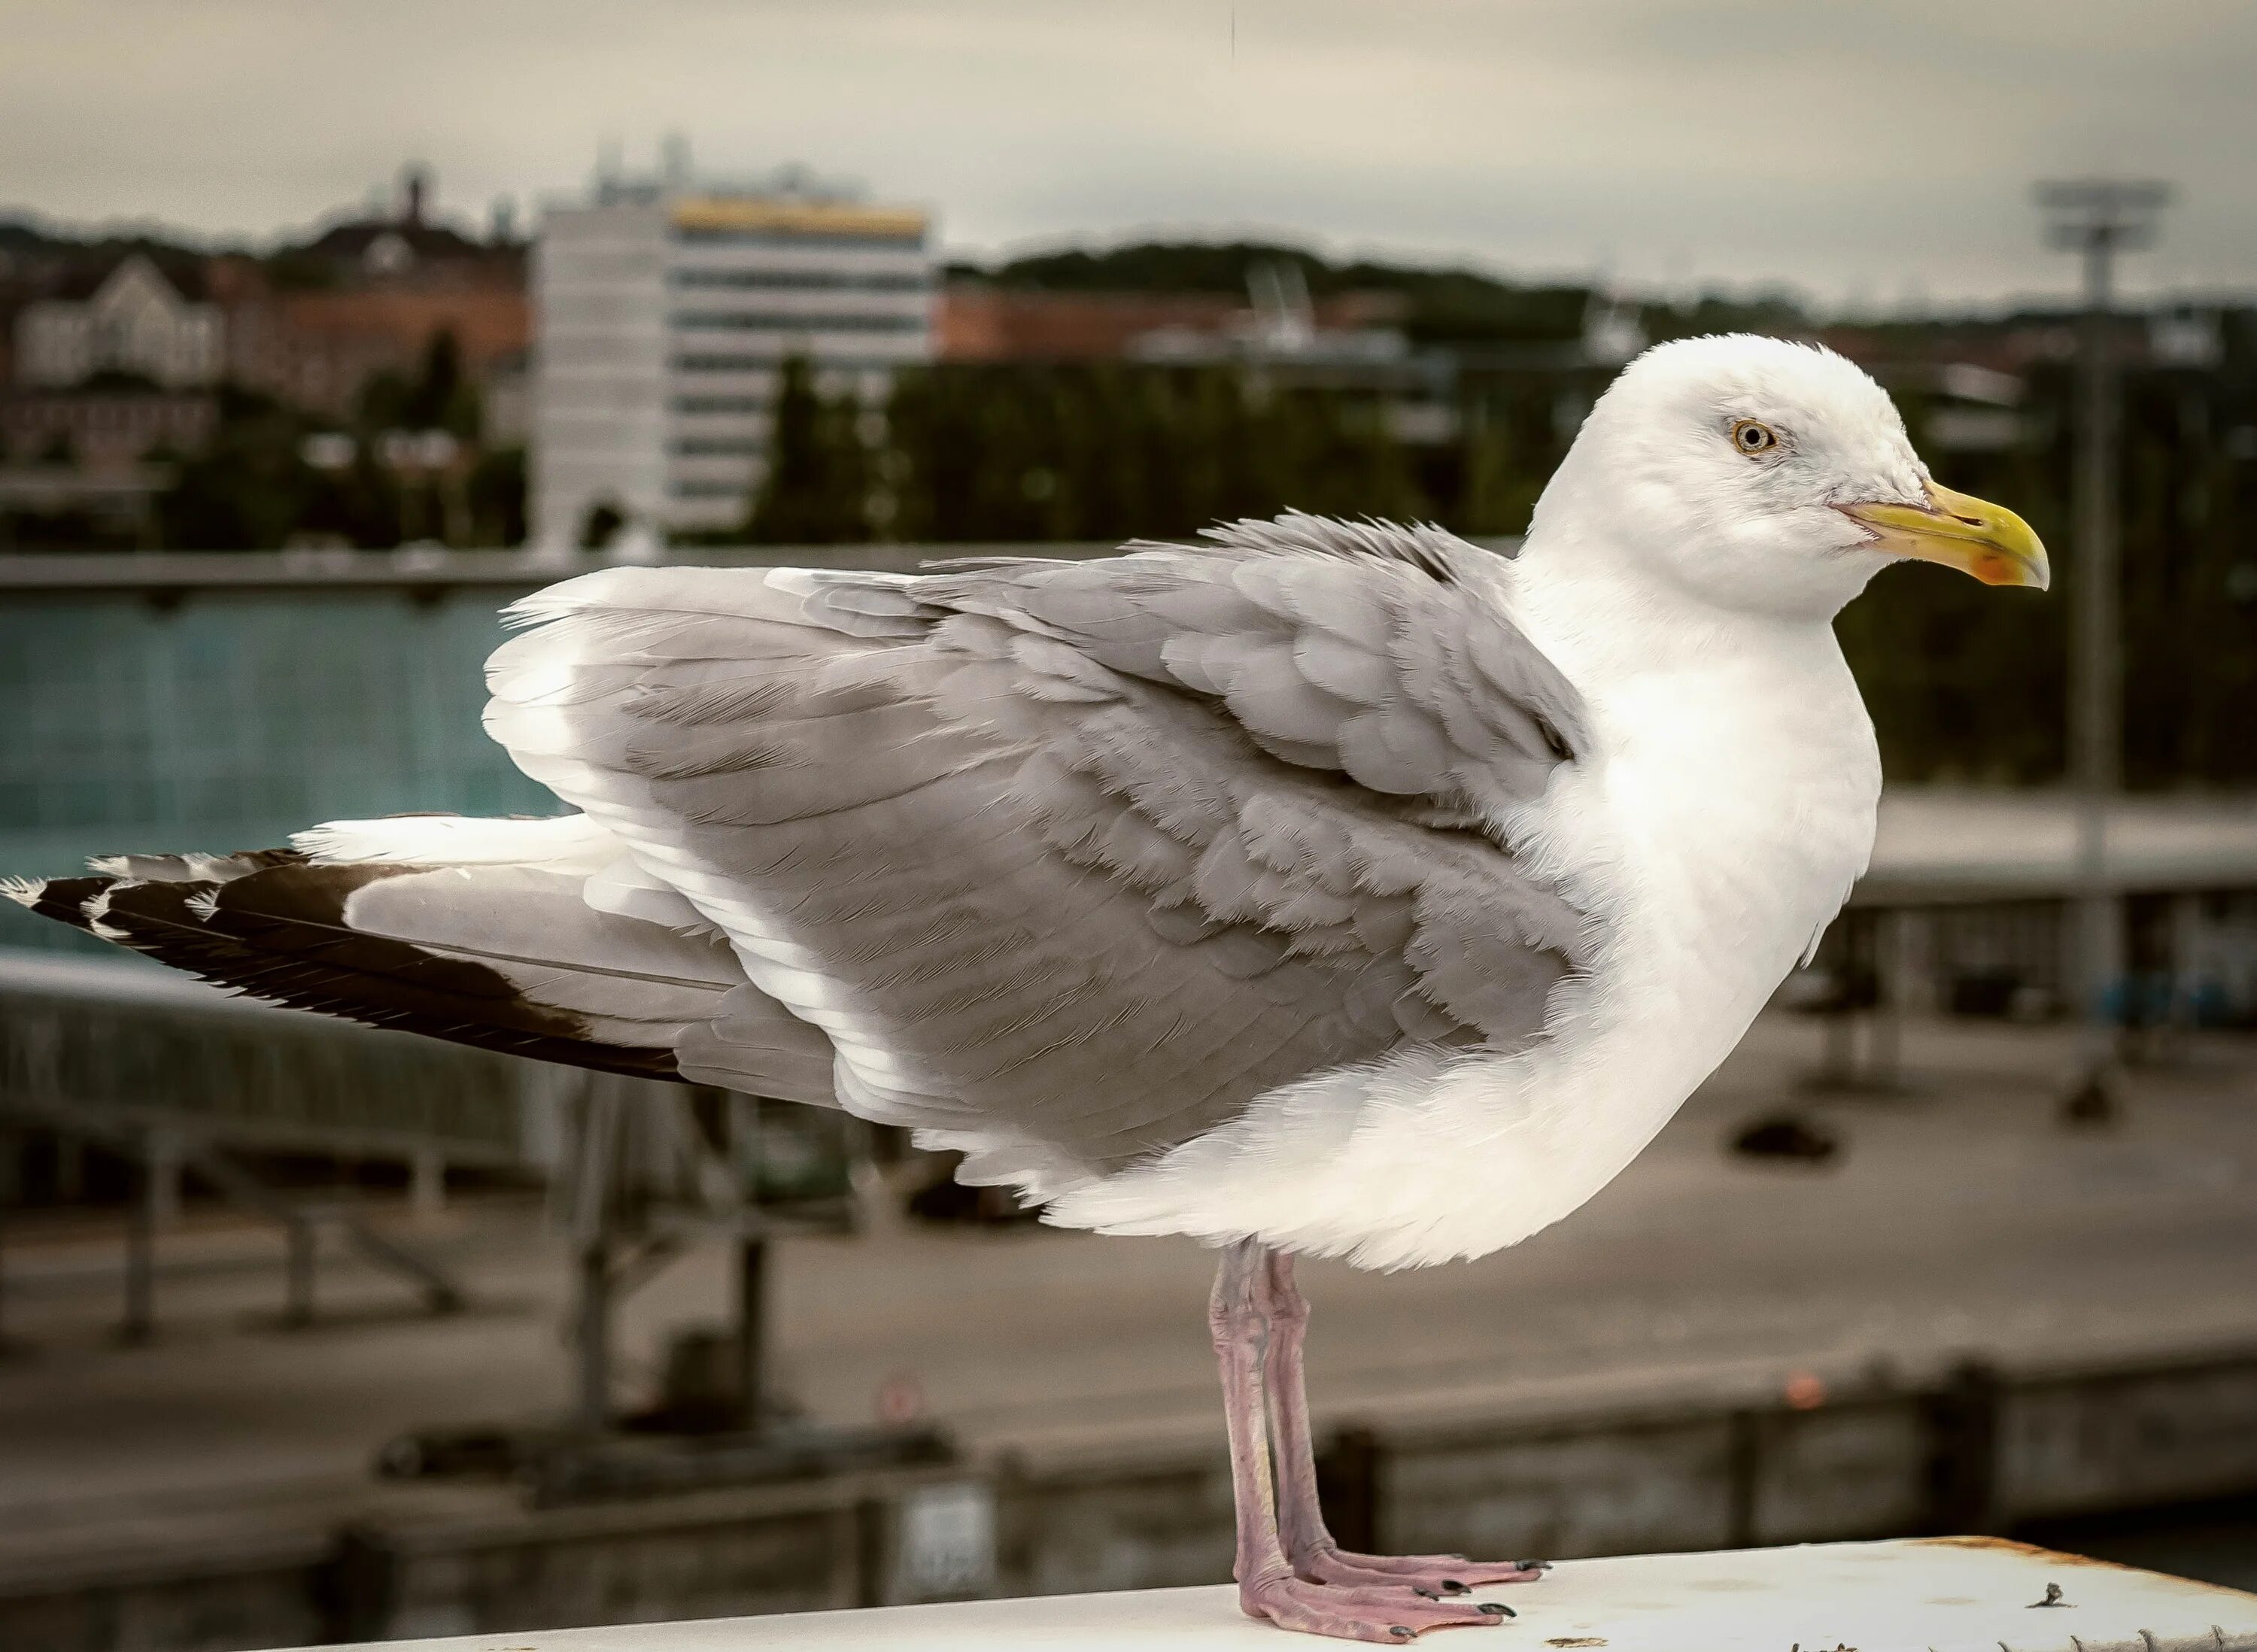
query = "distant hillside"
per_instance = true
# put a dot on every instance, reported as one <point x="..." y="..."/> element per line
<point x="1453" y="304"/>
<point x="1444" y="306"/>
<point x="39" y="258"/>
<point x="22" y="234"/>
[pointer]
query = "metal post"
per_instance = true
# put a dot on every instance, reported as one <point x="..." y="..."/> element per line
<point x="752" y="1328"/>
<point x="162" y="1186"/>
<point x="1838" y="1067"/>
<point x="595" y="1336"/>
<point x="140" y="1254"/>
<point x="2186" y="961"/>
<point x="2096" y="675"/>
<point x="744" y="1129"/>
<point x="592" y="1221"/>
<point x="11" y="1177"/>
<point x="2097" y="218"/>
<point x="427" y="1183"/>
<point x="298" y="1305"/>
<point x="1885" y="1070"/>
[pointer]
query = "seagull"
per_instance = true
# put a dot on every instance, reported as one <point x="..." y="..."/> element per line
<point x="1328" y="888"/>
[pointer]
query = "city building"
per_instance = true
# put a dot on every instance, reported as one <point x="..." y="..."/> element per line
<point x="981" y="322"/>
<point x="316" y="351"/>
<point x="664" y="311"/>
<point x="133" y="320"/>
<point x="103" y="430"/>
<point x="366" y="296"/>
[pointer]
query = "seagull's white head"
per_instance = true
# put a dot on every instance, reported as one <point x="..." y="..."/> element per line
<point x="1768" y="477"/>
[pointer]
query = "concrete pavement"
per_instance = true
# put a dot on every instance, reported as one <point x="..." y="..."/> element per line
<point x="1960" y="1220"/>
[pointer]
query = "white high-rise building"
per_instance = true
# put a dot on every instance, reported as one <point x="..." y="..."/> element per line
<point x="662" y="316"/>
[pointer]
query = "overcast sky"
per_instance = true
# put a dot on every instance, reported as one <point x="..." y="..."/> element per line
<point x="1875" y="154"/>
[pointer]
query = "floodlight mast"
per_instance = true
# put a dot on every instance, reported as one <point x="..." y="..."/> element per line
<point x="2097" y="217"/>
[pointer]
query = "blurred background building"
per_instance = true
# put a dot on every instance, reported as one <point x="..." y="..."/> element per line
<point x="133" y="324"/>
<point x="365" y="384"/>
<point x="668" y="310"/>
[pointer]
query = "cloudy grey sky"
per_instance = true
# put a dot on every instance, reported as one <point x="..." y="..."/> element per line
<point x="1874" y="154"/>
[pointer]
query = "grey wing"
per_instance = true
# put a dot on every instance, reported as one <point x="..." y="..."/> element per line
<point x="1071" y="861"/>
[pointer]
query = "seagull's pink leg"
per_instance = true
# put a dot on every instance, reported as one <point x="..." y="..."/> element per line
<point x="1267" y="1587"/>
<point x="1302" y="1533"/>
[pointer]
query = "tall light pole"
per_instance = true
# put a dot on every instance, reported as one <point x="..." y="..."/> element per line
<point x="2097" y="218"/>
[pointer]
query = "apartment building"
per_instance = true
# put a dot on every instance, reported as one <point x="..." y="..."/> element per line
<point x="662" y="315"/>
<point x="133" y="320"/>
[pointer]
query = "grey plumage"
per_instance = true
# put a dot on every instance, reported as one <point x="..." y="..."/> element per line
<point x="1071" y="860"/>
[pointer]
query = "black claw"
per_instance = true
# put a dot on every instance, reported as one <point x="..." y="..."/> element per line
<point x="1399" y="1632"/>
<point x="1427" y="1593"/>
<point x="1499" y="1609"/>
<point x="1533" y="1565"/>
<point x="1452" y="1586"/>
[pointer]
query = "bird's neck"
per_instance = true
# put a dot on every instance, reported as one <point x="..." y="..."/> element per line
<point x="1599" y="613"/>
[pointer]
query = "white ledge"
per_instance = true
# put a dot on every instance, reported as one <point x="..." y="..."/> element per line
<point x="1911" y="1595"/>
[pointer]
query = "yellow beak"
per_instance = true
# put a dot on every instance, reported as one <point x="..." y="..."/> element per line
<point x="1971" y="534"/>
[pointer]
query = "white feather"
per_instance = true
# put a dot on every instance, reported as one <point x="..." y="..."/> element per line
<point x="566" y="843"/>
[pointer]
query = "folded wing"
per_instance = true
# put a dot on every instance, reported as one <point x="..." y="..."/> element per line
<point x="1069" y="861"/>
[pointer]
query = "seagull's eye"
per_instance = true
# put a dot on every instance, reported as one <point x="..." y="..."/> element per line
<point x="1754" y="437"/>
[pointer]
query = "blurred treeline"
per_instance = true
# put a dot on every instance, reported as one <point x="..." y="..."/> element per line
<point x="256" y="485"/>
<point x="1440" y="306"/>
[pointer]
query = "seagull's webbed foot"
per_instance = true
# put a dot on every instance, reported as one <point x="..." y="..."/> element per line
<point x="1307" y="1543"/>
<point x="1434" y="1576"/>
<point x="1386" y="1616"/>
<point x="1257" y="1318"/>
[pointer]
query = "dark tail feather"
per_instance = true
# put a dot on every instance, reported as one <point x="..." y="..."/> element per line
<point x="62" y="898"/>
<point x="274" y="926"/>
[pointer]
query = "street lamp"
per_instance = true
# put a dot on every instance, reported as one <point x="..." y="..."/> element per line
<point x="2097" y="218"/>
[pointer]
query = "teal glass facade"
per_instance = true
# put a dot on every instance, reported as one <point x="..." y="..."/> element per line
<point x="220" y="719"/>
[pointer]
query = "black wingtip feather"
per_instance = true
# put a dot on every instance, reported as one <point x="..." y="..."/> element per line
<point x="279" y="933"/>
<point x="63" y="899"/>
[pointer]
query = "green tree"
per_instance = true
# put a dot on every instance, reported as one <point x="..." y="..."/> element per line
<point x="496" y="492"/>
<point x="601" y="526"/>
<point x="1109" y="451"/>
<point x="361" y="504"/>
<point x="438" y="396"/>
<point x="249" y="490"/>
<point x="816" y="490"/>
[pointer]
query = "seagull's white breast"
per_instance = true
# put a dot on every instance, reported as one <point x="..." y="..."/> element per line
<point x="1713" y="831"/>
